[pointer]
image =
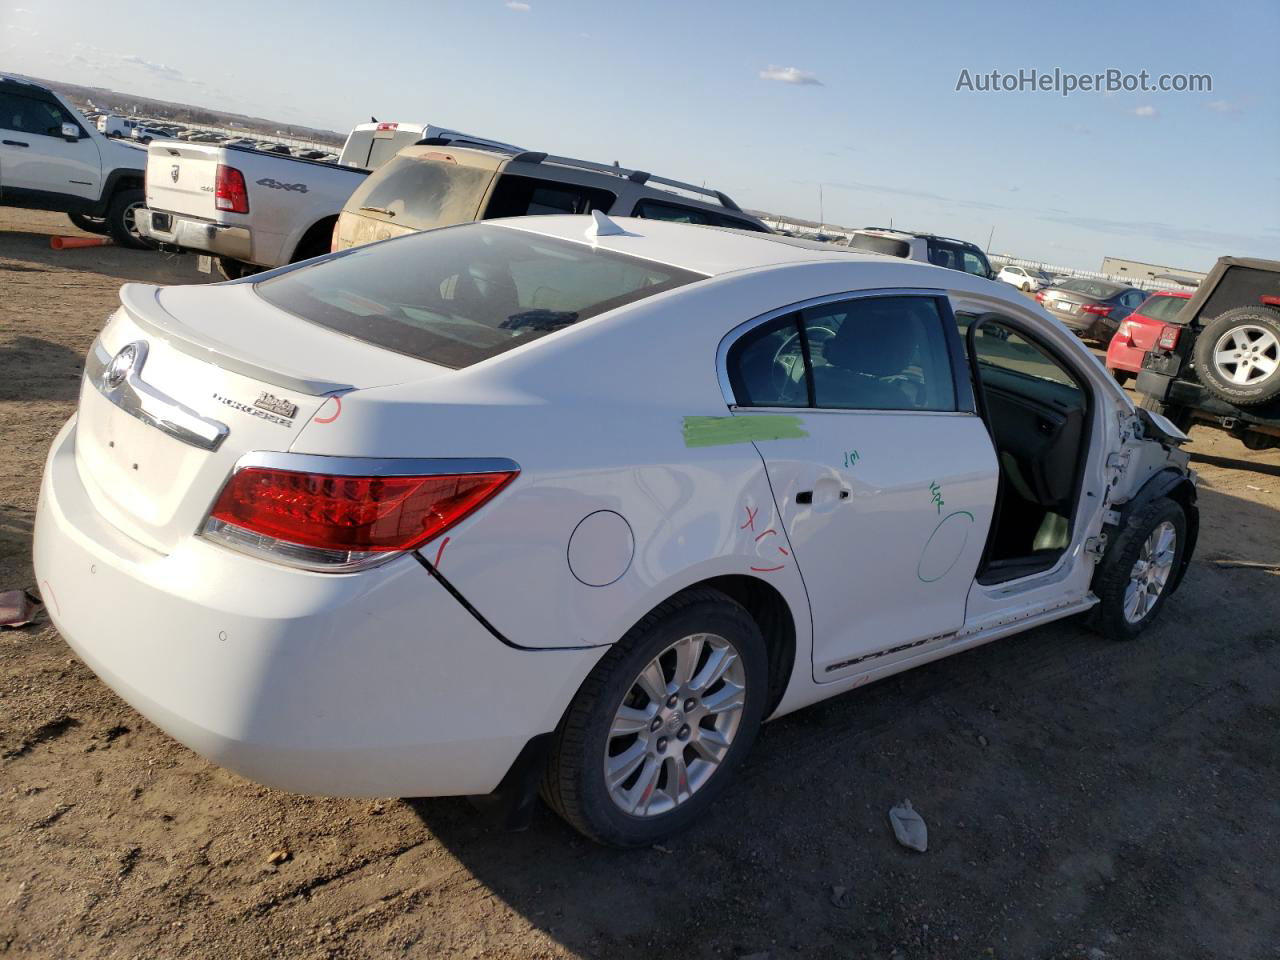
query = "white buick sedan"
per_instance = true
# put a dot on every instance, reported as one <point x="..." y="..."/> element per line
<point x="565" y="504"/>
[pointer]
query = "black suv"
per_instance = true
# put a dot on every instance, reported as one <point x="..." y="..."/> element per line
<point x="1218" y="360"/>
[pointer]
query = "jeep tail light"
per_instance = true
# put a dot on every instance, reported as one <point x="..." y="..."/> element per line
<point x="229" y="191"/>
<point x="1096" y="309"/>
<point x="1269" y="300"/>
<point x="336" y="523"/>
<point x="1168" y="337"/>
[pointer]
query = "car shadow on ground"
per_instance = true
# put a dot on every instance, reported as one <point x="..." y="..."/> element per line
<point x="1031" y="761"/>
<point x="32" y="368"/>
<point x="1231" y="463"/>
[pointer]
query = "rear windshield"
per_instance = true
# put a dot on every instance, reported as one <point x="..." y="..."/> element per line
<point x="461" y="295"/>
<point x="421" y="193"/>
<point x="873" y="244"/>
<point x="1161" y="308"/>
<point x="1091" y="288"/>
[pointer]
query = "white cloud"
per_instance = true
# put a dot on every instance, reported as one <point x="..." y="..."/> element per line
<point x="1224" y="106"/>
<point x="157" y="68"/>
<point x="518" y="6"/>
<point x="794" y="75"/>
<point x="1146" y="111"/>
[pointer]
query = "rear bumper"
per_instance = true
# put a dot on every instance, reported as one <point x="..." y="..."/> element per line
<point x="370" y="684"/>
<point x="1124" y="356"/>
<point x="192" y="234"/>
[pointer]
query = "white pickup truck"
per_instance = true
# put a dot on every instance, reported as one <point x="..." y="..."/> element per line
<point x="250" y="209"/>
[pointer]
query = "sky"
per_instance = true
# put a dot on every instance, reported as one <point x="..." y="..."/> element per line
<point x="773" y="103"/>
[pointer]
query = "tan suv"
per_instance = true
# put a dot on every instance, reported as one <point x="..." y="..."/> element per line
<point x="433" y="184"/>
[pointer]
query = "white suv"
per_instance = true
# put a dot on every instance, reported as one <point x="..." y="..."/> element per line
<point x="52" y="159"/>
<point x="1026" y="280"/>
<point x="925" y="247"/>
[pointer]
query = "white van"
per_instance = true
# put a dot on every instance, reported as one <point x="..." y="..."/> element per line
<point x="116" y="126"/>
<point x="370" y="145"/>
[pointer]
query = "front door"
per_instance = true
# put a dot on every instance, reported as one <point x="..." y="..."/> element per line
<point x="886" y="502"/>
<point x="34" y="156"/>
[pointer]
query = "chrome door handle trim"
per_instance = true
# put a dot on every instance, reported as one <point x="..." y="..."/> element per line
<point x="143" y="402"/>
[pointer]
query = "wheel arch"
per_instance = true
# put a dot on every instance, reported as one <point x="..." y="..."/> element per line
<point x="1179" y="488"/>
<point x="772" y="614"/>
<point x="122" y="178"/>
<point x="322" y="229"/>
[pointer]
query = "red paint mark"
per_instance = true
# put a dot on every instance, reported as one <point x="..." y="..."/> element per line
<point x="439" y="553"/>
<point x="784" y="552"/>
<point x="766" y="533"/>
<point x="751" y="518"/>
<point x="47" y="590"/>
<point x="768" y="569"/>
<point x="336" y="413"/>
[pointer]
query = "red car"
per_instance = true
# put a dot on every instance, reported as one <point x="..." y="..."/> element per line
<point x="1139" y="332"/>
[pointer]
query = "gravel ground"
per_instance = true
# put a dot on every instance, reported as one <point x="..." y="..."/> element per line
<point x="1084" y="799"/>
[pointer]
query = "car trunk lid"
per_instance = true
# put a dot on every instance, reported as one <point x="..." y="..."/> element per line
<point x="154" y="448"/>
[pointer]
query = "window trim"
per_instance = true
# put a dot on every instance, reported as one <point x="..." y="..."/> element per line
<point x="961" y="384"/>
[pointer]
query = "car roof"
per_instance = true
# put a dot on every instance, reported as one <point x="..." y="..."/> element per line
<point x="711" y="251"/>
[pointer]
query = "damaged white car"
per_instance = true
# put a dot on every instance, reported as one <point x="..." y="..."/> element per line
<point x="565" y="504"/>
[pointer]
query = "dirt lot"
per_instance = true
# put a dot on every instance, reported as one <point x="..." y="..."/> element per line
<point x="1084" y="799"/>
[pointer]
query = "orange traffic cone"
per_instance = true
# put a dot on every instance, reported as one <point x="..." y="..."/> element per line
<point x="67" y="243"/>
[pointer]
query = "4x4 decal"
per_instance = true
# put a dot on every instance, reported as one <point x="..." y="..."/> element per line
<point x="277" y="185"/>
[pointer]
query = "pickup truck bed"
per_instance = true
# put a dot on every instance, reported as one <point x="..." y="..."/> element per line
<point x="289" y="204"/>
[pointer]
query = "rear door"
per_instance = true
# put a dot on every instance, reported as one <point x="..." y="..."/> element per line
<point x="887" y="498"/>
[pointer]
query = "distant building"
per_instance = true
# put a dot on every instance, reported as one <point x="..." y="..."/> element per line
<point x="1137" y="270"/>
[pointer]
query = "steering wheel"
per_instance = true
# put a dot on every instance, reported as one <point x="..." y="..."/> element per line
<point x="788" y="362"/>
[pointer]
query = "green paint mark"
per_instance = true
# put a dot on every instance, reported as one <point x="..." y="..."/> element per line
<point x="936" y="491"/>
<point x="719" y="431"/>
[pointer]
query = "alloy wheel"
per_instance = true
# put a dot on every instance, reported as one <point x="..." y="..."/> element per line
<point x="675" y="725"/>
<point x="1150" y="572"/>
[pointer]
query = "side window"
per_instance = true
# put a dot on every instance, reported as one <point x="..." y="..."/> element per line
<point x="516" y="196"/>
<point x="973" y="262"/>
<point x="997" y="345"/>
<point x="942" y="255"/>
<point x="736" y="224"/>
<point x="766" y="366"/>
<point x="27" y="115"/>
<point x="656" y="210"/>
<point x="879" y="353"/>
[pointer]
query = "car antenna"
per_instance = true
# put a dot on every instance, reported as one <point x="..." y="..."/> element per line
<point x="602" y="226"/>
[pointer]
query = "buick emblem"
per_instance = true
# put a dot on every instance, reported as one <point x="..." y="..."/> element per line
<point x="123" y="363"/>
<point x="173" y="173"/>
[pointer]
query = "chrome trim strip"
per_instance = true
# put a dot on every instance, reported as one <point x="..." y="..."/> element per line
<point x="730" y="338"/>
<point x="143" y="402"/>
<point x="375" y="466"/>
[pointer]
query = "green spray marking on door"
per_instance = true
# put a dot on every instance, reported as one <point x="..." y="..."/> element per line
<point x="719" y="431"/>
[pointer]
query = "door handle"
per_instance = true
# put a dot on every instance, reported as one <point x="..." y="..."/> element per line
<point x="15" y="143"/>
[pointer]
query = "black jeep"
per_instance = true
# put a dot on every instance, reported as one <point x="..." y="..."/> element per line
<point x="1218" y="360"/>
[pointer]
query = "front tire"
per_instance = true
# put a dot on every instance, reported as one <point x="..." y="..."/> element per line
<point x="122" y="220"/>
<point x="657" y="729"/>
<point x="89" y="224"/>
<point x="1139" y="570"/>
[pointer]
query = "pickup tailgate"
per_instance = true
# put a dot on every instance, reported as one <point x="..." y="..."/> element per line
<point x="180" y="177"/>
<point x="213" y="359"/>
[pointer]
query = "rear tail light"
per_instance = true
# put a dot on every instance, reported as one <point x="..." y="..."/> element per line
<point x="1039" y="296"/>
<point x="1095" y="308"/>
<point x="336" y="523"/>
<point x="1125" y="331"/>
<point x="1168" y="337"/>
<point x="229" y="191"/>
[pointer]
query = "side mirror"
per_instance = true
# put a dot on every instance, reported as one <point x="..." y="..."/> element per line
<point x="70" y="131"/>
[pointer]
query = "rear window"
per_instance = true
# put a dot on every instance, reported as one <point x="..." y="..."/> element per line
<point x="458" y="296"/>
<point x="678" y="213"/>
<point x="421" y="193"/>
<point x="1091" y="288"/>
<point x="1163" y="309"/>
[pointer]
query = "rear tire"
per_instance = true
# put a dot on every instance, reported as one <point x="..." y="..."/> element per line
<point x="673" y="753"/>
<point x="89" y="224"/>
<point x="1139" y="570"/>
<point x="1121" y="376"/>
<point x="1238" y="356"/>
<point x="122" y="220"/>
